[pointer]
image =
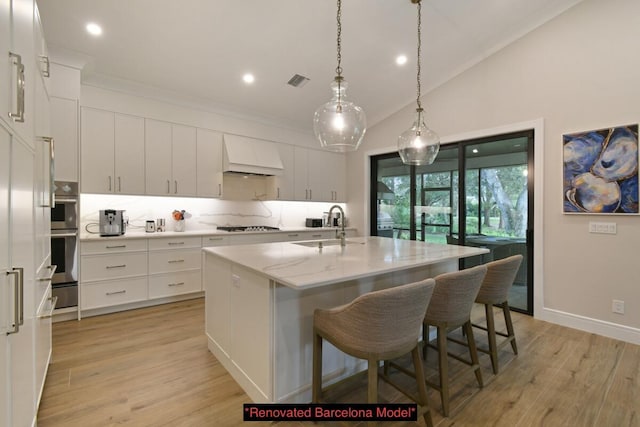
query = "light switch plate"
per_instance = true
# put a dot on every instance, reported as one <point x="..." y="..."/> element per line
<point x="603" y="227"/>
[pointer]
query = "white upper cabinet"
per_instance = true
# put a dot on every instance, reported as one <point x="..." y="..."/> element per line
<point x="281" y="187"/>
<point x="129" y="154"/>
<point x="170" y="159"/>
<point x="183" y="149"/>
<point x="157" y="149"/>
<point x="209" y="163"/>
<point x="319" y="175"/>
<point x="112" y="152"/>
<point x="5" y="70"/>
<point x="97" y="136"/>
<point x="64" y="129"/>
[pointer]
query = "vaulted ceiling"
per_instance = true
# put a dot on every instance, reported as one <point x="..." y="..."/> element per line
<point x="198" y="50"/>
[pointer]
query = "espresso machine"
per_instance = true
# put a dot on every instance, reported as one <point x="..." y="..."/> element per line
<point x="112" y="222"/>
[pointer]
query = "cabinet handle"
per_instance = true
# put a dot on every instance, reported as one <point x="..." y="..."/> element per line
<point x="168" y="186"/>
<point x="293" y="235"/>
<point x="219" y="189"/>
<point x="310" y="194"/>
<point x="176" y="284"/>
<point x="50" y="203"/>
<point x="53" y="303"/>
<point x="124" y="291"/>
<point x="175" y="243"/>
<point x="119" y="185"/>
<point x="278" y="193"/>
<point x="53" y="271"/>
<point x="174" y="261"/>
<point x="316" y="235"/>
<point x="109" y="182"/>
<point x="306" y="194"/>
<point x="116" y="266"/>
<point x="19" y="115"/>
<point x="176" y="184"/>
<point x="18" y="302"/>
<point x="116" y="246"/>
<point x="47" y="66"/>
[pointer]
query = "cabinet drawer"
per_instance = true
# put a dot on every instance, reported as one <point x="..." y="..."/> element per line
<point x="120" y="245"/>
<point x="115" y="292"/>
<point x="168" y="261"/>
<point x="209" y="241"/>
<point x="174" y="243"/>
<point x="100" y="267"/>
<point x="164" y="285"/>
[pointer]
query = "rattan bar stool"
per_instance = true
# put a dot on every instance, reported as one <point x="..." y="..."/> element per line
<point x="450" y="308"/>
<point x="376" y="326"/>
<point x="495" y="291"/>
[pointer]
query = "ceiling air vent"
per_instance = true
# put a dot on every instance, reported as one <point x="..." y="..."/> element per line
<point x="297" y="80"/>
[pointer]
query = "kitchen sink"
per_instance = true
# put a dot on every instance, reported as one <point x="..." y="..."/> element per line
<point x="328" y="242"/>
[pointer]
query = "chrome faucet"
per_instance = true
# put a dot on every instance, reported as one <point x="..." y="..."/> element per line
<point x="339" y="234"/>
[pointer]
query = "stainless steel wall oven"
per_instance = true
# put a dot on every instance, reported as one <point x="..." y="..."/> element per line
<point x="64" y="244"/>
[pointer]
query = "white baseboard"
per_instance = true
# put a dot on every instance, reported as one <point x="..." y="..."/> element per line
<point x="587" y="324"/>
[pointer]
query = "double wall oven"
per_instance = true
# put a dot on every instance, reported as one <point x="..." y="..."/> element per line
<point x="64" y="244"/>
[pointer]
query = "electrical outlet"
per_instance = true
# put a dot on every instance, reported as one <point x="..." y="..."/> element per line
<point x="617" y="306"/>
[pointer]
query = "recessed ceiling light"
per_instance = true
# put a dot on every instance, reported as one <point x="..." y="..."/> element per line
<point x="475" y="151"/>
<point x="94" y="29"/>
<point x="401" y="59"/>
<point x="248" y="78"/>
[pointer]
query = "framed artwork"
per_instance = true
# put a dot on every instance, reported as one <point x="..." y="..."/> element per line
<point x="600" y="171"/>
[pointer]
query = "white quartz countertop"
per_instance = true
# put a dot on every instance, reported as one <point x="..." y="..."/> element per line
<point x="300" y="267"/>
<point x="141" y="234"/>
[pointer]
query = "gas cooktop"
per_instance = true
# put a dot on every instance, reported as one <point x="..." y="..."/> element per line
<point x="248" y="228"/>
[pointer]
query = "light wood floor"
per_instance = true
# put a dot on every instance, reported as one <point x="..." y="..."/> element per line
<point x="151" y="367"/>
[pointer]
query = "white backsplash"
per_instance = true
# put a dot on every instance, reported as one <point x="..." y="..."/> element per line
<point x="202" y="214"/>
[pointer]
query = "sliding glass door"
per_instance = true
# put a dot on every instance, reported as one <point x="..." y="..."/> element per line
<point x="489" y="205"/>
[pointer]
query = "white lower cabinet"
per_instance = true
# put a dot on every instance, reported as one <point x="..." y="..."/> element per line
<point x="178" y="283"/>
<point x="113" y="272"/>
<point x="124" y="271"/>
<point x="113" y="292"/>
<point x="176" y="270"/>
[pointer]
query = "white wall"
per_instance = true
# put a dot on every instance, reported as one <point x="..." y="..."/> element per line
<point x="577" y="72"/>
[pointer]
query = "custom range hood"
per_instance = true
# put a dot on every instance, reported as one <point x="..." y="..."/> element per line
<point x="251" y="156"/>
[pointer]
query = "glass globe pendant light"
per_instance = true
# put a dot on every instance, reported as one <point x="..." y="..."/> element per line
<point x="418" y="145"/>
<point x="339" y="124"/>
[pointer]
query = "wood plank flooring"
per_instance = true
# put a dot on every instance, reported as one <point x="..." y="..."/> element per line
<point x="151" y="367"/>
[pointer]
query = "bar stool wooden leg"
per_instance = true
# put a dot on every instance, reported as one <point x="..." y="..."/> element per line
<point x="443" y="365"/>
<point x="372" y="381"/>
<point x="422" y="388"/>
<point x="425" y="341"/>
<point x="316" y="382"/>
<point x="473" y="352"/>
<point x="510" y="331"/>
<point x="491" y="334"/>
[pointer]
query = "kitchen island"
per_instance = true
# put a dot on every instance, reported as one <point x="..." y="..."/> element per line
<point x="260" y="301"/>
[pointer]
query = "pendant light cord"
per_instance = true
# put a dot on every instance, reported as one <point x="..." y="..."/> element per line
<point x="339" y="39"/>
<point x="339" y="56"/>
<point x="419" y="48"/>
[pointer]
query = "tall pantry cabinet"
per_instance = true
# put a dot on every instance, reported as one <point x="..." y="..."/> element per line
<point x="25" y="328"/>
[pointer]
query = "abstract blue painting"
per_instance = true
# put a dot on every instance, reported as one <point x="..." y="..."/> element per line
<point x="600" y="171"/>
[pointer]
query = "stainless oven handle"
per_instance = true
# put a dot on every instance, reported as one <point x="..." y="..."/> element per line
<point x="62" y="200"/>
<point x="64" y="235"/>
